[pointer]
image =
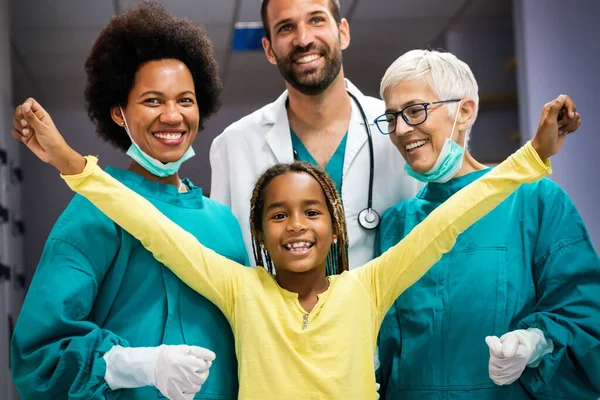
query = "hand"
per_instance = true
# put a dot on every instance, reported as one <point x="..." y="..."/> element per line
<point x="513" y="351"/>
<point x="507" y="361"/>
<point x="551" y="132"/>
<point x="180" y="371"/>
<point x="377" y="386"/>
<point x="33" y="126"/>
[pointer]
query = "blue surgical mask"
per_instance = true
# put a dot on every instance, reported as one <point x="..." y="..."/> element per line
<point x="448" y="163"/>
<point x="151" y="164"/>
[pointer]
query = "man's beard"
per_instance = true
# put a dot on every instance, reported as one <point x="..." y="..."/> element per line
<point x="311" y="82"/>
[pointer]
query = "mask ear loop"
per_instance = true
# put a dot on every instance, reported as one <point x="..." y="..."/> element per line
<point x="455" y="120"/>
<point x="126" y="125"/>
<point x="128" y="131"/>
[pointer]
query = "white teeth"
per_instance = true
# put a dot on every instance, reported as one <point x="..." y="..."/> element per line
<point x="416" y="144"/>
<point x="298" y="245"/>
<point x="170" y="136"/>
<point x="307" y="59"/>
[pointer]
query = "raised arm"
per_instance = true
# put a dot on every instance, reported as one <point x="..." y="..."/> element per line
<point x="208" y="273"/>
<point x="212" y="275"/>
<point x="402" y="265"/>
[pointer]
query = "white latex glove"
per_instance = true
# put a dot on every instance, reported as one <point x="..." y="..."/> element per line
<point x="513" y="351"/>
<point x="377" y="386"/>
<point x="178" y="372"/>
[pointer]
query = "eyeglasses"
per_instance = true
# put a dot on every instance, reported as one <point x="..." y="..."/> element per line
<point x="413" y="115"/>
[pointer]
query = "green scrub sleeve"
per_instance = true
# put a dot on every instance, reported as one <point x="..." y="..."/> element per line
<point x="55" y="352"/>
<point x="566" y="272"/>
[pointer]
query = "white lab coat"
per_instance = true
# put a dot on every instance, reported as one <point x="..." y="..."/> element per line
<point x="254" y="143"/>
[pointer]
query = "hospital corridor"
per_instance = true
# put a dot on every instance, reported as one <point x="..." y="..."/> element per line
<point x="299" y="199"/>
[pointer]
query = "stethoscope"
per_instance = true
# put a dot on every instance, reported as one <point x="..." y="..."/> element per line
<point x="368" y="218"/>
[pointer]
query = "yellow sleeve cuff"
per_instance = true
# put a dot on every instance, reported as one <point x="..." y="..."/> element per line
<point x="91" y="165"/>
<point x="542" y="166"/>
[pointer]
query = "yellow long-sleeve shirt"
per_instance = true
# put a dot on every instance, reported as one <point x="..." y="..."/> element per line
<point x="333" y="357"/>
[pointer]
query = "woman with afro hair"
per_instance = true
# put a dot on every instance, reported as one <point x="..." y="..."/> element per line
<point x="103" y="319"/>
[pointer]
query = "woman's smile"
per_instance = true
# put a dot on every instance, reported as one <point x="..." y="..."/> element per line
<point x="170" y="137"/>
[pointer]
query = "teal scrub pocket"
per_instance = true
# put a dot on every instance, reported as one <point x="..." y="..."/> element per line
<point x="444" y="318"/>
<point x="476" y="308"/>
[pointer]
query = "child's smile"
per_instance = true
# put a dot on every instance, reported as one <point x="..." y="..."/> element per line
<point x="299" y="247"/>
<point x="297" y="227"/>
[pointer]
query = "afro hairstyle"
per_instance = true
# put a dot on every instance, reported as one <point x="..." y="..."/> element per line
<point x="133" y="37"/>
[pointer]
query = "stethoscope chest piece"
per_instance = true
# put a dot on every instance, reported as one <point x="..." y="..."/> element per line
<point x="368" y="218"/>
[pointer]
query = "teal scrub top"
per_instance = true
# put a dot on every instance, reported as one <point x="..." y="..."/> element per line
<point x="96" y="287"/>
<point x="529" y="263"/>
<point x="335" y="165"/>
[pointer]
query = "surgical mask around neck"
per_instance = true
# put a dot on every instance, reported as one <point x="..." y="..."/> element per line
<point x="151" y="164"/>
<point x="448" y="163"/>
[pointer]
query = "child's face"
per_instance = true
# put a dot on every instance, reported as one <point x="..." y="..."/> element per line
<point x="297" y="227"/>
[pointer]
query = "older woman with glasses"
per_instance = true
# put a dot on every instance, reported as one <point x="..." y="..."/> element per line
<point x="524" y="280"/>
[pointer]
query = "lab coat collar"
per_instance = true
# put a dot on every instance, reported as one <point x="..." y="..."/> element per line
<point x="279" y="137"/>
<point x="280" y="141"/>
